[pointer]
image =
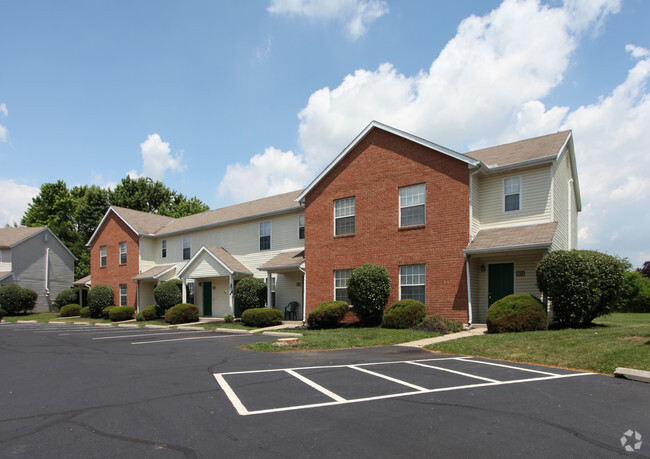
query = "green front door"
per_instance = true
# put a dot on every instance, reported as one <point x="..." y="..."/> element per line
<point x="207" y="298"/>
<point x="501" y="281"/>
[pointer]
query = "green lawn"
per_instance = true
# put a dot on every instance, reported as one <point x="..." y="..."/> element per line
<point x="617" y="340"/>
<point x="341" y="338"/>
<point x="41" y="317"/>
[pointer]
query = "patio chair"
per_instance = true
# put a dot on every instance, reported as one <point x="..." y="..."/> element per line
<point x="290" y="310"/>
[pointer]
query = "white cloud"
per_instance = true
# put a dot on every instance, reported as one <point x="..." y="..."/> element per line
<point x="14" y="199"/>
<point x="357" y="15"/>
<point x="3" y="109"/>
<point x="263" y="52"/>
<point x="266" y="174"/>
<point x="3" y="129"/>
<point x="157" y="159"/>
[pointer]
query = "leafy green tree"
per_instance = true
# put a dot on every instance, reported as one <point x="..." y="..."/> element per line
<point x="645" y="269"/>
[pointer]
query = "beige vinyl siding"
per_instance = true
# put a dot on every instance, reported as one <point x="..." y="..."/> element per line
<point x="475" y="224"/>
<point x="148" y="247"/>
<point x="205" y="266"/>
<point x="563" y="193"/>
<point x="535" y="199"/>
<point x="146" y="294"/>
<point x="526" y="262"/>
<point x="288" y="287"/>
<point x="220" y="296"/>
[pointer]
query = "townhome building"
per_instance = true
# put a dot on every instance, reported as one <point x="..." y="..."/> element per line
<point x="210" y="252"/>
<point x="455" y="231"/>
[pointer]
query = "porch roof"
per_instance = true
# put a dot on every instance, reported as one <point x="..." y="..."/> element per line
<point x="527" y="237"/>
<point x="284" y="260"/>
<point x="153" y="273"/>
<point x="4" y="274"/>
<point x="82" y="281"/>
<point x="231" y="264"/>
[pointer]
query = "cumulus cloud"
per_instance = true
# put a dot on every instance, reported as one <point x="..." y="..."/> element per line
<point x="3" y="129"/>
<point x="14" y="199"/>
<point x="157" y="159"/>
<point x="357" y="15"/>
<point x="266" y="174"/>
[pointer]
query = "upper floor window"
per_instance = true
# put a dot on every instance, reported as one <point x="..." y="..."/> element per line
<point x="122" y="253"/>
<point x="102" y="256"/>
<point x="163" y="248"/>
<point x="412" y="201"/>
<point x="123" y="296"/>
<point x="512" y="193"/>
<point x="344" y="216"/>
<point x="301" y="227"/>
<point x="341" y="277"/>
<point x="412" y="282"/>
<point x="187" y="247"/>
<point x="265" y="235"/>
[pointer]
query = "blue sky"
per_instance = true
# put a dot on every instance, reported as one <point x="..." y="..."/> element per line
<point x="231" y="101"/>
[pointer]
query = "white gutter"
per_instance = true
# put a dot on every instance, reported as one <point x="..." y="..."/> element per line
<point x="540" y="245"/>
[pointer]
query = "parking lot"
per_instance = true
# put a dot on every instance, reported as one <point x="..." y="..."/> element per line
<point x="90" y="391"/>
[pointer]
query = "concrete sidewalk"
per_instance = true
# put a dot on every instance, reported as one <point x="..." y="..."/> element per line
<point x="473" y="331"/>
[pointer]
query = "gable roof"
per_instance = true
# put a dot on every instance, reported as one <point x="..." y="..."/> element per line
<point x="405" y="135"/>
<point x="513" y="238"/>
<point x="222" y="256"/>
<point x="9" y="237"/>
<point x="284" y="260"/>
<point x="154" y="273"/>
<point x="523" y="151"/>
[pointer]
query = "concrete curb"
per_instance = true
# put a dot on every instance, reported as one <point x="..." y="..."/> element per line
<point x="634" y="375"/>
<point x="281" y="334"/>
<point x="439" y="339"/>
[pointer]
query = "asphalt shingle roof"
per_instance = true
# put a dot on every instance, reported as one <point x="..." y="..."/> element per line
<point x="11" y="236"/>
<point x="524" y="150"/>
<point x="513" y="238"/>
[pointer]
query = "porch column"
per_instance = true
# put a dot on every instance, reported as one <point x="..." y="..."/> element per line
<point x="184" y="290"/>
<point x="231" y="298"/>
<point x="269" y="285"/>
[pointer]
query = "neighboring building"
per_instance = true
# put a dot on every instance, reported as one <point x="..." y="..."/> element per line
<point x="134" y="251"/>
<point x="455" y="231"/>
<point x="35" y="258"/>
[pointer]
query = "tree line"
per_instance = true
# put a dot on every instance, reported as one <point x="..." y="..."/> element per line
<point x="74" y="214"/>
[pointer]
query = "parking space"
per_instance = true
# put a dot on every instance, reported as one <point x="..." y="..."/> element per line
<point x="299" y="388"/>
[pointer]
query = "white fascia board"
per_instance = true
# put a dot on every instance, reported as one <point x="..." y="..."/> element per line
<point x="392" y="130"/>
<point x="195" y="257"/>
<point x="102" y="222"/>
<point x="162" y="273"/>
<point x="514" y="248"/>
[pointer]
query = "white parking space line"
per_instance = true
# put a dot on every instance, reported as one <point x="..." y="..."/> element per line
<point x="184" y="339"/>
<point x="379" y="375"/>
<point x="239" y="406"/>
<point x="453" y="371"/>
<point x="316" y="386"/>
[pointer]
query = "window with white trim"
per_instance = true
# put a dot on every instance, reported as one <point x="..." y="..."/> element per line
<point x="163" y="248"/>
<point x="344" y="216"/>
<point x="122" y="253"/>
<point x="341" y="278"/>
<point x="265" y="235"/>
<point x="301" y="227"/>
<point x="123" y="295"/>
<point x="412" y="282"/>
<point x="187" y="247"/>
<point x="512" y="193"/>
<point x="412" y="203"/>
<point x="102" y="256"/>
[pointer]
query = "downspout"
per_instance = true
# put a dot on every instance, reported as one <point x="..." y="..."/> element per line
<point x="469" y="291"/>
<point x="569" y="210"/>
<point x="304" y="294"/>
<point x="47" y="278"/>
<point x="471" y="228"/>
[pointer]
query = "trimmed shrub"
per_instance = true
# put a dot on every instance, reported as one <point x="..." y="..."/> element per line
<point x="404" y="314"/>
<point x="261" y="317"/>
<point x="581" y="284"/>
<point x="168" y="294"/>
<point x="229" y="318"/>
<point x="150" y="312"/>
<point x="369" y="290"/>
<point x="437" y="323"/>
<point x="71" y="296"/>
<point x="84" y="312"/>
<point x="2" y="313"/>
<point x="99" y="297"/>
<point x="106" y="311"/>
<point x="70" y="310"/>
<point x="327" y="315"/>
<point x="182" y="313"/>
<point x="635" y="295"/>
<point x="516" y="313"/>
<point x="14" y="299"/>
<point x="139" y="317"/>
<point x="119" y="313"/>
<point x="249" y="293"/>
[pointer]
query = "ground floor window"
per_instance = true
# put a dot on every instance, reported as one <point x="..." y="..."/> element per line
<point x="412" y="282"/>
<point x="123" y="296"/>
<point x="341" y="277"/>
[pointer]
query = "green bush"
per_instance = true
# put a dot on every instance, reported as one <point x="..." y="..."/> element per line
<point x="404" y="314"/>
<point x="168" y="294"/>
<point x="150" y="312"/>
<point x="261" y="317"/>
<point x="107" y="311"/>
<point x="139" y="317"/>
<point x="229" y="318"/>
<point x="436" y="323"/>
<point x="120" y="313"/>
<point x="99" y="297"/>
<point x="635" y="295"/>
<point x="70" y="310"/>
<point x="369" y="290"/>
<point x="182" y="313"/>
<point x="581" y="284"/>
<point x="84" y="312"/>
<point x="327" y="315"/>
<point x="71" y="296"/>
<point x="516" y="313"/>
<point x="15" y="299"/>
<point x="249" y="293"/>
<point x="2" y="313"/>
